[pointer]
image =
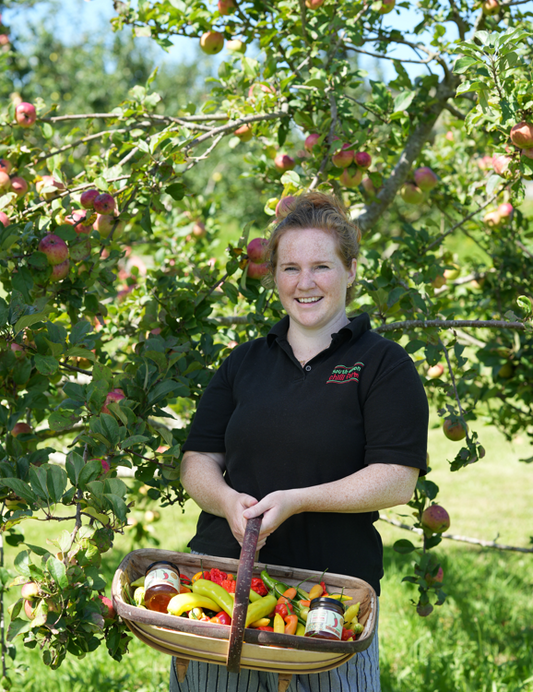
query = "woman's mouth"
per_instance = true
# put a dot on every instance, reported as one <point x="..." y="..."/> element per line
<point x="307" y="301"/>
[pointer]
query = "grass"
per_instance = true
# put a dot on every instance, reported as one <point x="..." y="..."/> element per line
<point x="480" y="640"/>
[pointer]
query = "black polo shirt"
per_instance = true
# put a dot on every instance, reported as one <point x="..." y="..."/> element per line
<point x="282" y="426"/>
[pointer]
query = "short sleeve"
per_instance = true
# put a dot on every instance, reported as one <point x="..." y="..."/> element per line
<point x="396" y="417"/>
<point x="214" y="410"/>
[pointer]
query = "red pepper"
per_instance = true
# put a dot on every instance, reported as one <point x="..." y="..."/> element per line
<point x="259" y="586"/>
<point x="229" y="584"/>
<point x="185" y="579"/>
<point x="217" y="576"/>
<point x="223" y="618"/>
<point x="346" y="634"/>
<point x="281" y="608"/>
<point x="265" y="629"/>
<point x="283" y="600"/>
<point x="323" y="585"/>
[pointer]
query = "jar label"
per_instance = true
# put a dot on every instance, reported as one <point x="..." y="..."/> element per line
<point x="322" y="620"/>
<point x="162" y="575"/>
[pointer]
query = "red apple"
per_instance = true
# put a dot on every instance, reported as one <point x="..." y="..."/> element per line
<point x="284" y="162"/>
<point x="386" y="6"/>
<point x="492" y="218"/>
<point x="76" y="219"/>
<point x="5" y="166"/>
<point x="435" y="371"/>
<point x="425" y="178"/>
<point x="244" y="132"/>
<point x="257" y="250"/>
<point x="199" y="230"/>
<point x="48" y="186"/>
<point x="362" y="159"/>
<point x="313" y="4"/>
<point x="311" y="140"/>
<point x="4" y="219"/>
<point x="115" y="395"/>
<point x="435" y="519"/>
<point x="104" y="203"/>
<point x="55" y="248"/>
<point x="5" y="182"/>
<point x="485" y="162"/>
<point x="283" y="207"/>
<point x="439" y="281"/>
<point x="528" y="153"/>
<point x="505" y="210"/>
<point x="257" y="271"/>
<point x="430" y="579"/>
<point x="454" y="429"/>
<point x="265" y="88"/>
<point x="25" y="114"/>
<point x="522" y="135"/>
<point x="19" y="186"/>
<point x="490" y="7"/>
<point x="109" y="611"/>
<point x="29" y="609"/>
<point x="60" y="271"/>
<point x="87" y="198"/>
<point x="21" y="429"/>
<point x="105" y="223"/>
<point x="226" y="6"/>
<point x="412" y="194"/>
<point x="29" y="590"/>
<point x="351" y="177"/>
<point x="343" y="157"/>
<point x="500" y="164"/>
<point x="212" y="42"/>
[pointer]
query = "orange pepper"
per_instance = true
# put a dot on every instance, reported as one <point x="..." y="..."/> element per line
<point x="291" y="624"/>
<point x="305" y="604"/>
<point x="184" y="589"/>
<point x="316" y="591"/>
<point x="290" y="593"/>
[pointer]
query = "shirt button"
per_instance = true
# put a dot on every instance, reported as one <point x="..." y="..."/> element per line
<point x="308" y="368"/>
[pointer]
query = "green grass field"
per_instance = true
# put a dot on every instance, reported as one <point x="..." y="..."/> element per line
<point x="480" y="640"/>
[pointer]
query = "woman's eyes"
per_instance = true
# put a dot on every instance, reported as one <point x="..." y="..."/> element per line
<point x="295" y="269"/>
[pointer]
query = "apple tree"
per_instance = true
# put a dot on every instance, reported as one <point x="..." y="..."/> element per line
<point x="118" y="301"/>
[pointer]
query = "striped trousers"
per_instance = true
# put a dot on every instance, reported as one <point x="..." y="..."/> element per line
<point x="359" y="674"/>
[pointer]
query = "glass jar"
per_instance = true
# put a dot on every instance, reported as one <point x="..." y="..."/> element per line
<point x="161" y="583"/>
<point x="325" y="619"/>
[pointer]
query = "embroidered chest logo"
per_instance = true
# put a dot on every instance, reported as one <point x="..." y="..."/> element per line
<point x="344" y="373"/>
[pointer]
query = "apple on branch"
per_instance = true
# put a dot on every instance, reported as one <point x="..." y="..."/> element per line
<point x="87" y="198"/>
<point x="4" y="219"/>
<point x="283" y="207"/>
<point x="351" y="177"/>
<point x="244" y="132"/>
<point x="236" y="46"/>
<point x="435" y="519"/>
<point x="257" y="250"/>
<point x="362" y="159"/>
<point x="343" y="157"/>
<point x="104" y="203"/>
<point x="425" y="178"/>
<point x="5" y="166"/>
<point x="19" y="186"/>
<point x="310" y="141"/>
<point x="25" y="114"/>
<point x="21" y="429"/>
<point x="55" y="249"/>
<point x="522" y="135"/>
<point x="212" y="42"/>
<point x="114" y="396"/>
<point x="454" y="429"/>
<point x="60" y="271"/>
<point x="5" y="182"/>
<point x="79" y="218"/>
<point x="48" y="187"/>
<point x="412" y="194"/>
<point x="226" y="7"/>
<point x="284" y="162"/>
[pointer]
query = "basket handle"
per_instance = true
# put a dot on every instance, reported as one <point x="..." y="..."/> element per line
<point x="242" y="594"/>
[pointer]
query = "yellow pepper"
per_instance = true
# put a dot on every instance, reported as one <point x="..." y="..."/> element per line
<point x="351" y="613"/>
<point x="187" y="601"/>
<point x="279" y="624"/>
<point x="215" y="592"/>
<point x="262" y="622"/>
<point x="316" y="591"/>
<point x="300" y="630"/>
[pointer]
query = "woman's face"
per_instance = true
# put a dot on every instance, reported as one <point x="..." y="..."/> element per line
<point x="311" y="278"/>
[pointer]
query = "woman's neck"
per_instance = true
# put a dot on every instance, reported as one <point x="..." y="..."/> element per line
<point x="307" y="343"/>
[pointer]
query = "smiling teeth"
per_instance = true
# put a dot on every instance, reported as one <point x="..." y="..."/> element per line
<point x="307" y="300"/>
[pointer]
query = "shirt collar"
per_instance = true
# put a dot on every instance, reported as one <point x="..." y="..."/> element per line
<point x="357" y="327"/>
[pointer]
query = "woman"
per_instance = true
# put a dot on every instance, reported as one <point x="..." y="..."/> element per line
<point x="317" y="427"/>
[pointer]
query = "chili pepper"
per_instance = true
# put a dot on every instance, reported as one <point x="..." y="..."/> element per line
<point x="187" y="601"/>
<point x="290" y="593"/>
<point x="300" y="630"/>
<point x="279" y="625"/>
<point x="356" y="627"/>
<point x="262" y="622"/>
<point x="260" y="609"/>
<point x="221" y="618"/>
<point x="340" y="597"/>
<point x="259" y="587"/>
<point x="198" y="614"/>
<point x="184" y="578"/>
<point x="351" y="613"/>
<point x="184" y="589"/>
<point x="278" y="588"/>
<point x="229" y="585"/>
<point x="266" y="629"/>
<point x="217" y="576"/>
<point x="347" y="635"/>
<point x="281" y="609"/>
<point x="291" y="623"/>
<point x="215" y="592"/>
<point x="304" y="604"/>
<point x="316" y="591"/>
<point x="254" y="596"/>
<point x="201" y="575"/>
<point x="324" y="588"/>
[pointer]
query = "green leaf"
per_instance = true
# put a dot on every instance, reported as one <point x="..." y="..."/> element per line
<point x="117" y="505"/>
<point x="28" y="320"/>
<point x="162" y="390"/>
<point x="462" y="64"/>
<point x="22" y="489"/>
<point x="524" y="303"/>
<point x="115" y="486"/>
<point x="110" y="428"/>
<point x="23" y="564"/>
<point x="38" y="482"/>
<point x="59" y="421"/>
<point x="414" y="345"/>
<point x="79" y="352"/>
<point x="403" y="101"/>
<point x="403" y="546"/>
<point x="133" y="440"/>
<point x="18" y="626"/>
<point x="80" y="331"/>
<point x="58" y="571"/>
<point x="89" y="472"/>
<point x="46" y="365"/>
<point x="56" y="482"/>
<point x="176" y="191"/>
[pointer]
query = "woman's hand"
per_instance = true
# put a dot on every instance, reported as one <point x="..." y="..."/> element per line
<point x="275" y="508"/>
<point x="234" y="512"/>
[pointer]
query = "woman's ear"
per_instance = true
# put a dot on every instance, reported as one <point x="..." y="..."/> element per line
<point x="352" y="272"/>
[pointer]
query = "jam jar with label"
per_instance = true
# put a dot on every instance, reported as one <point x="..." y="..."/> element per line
<point x="161" y="583"/>
<point x="325" y="619"/>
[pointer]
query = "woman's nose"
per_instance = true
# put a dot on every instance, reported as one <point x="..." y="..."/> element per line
<point x="306" y="279"/>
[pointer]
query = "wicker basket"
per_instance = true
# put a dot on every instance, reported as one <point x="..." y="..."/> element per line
<point x="237" y="646"/>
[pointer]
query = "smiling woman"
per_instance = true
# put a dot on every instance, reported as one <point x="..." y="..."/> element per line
<point x="307" y="427"/>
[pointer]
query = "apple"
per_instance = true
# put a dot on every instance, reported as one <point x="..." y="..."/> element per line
<point x="60" y="271"/>
<point x="430" y="579"/>
<point x="506" y="371"/>
<point x="485" y="162"/>
<point x="104" y="203"/>
<point x="5" y="166"/>
<point x="435" y="371"/>
<point x="265" y="88"/>
<point x="105" y="223"/>
<point x="199" y="230"/>
<point x="19" y="186"/>
<point x="492" y="218"/>
<point x="76" y="219"/>
<point x="47" y="182"/>
<point x="452" y="274"/>
<point x="412" y="194"/>
<point x="343" y="157"/>
<point x="212" y="42"/>
<point x="29" y="590"/>
<point x="80" y="250"/>
<point x="439" y="281"/>
<point x="5" y="182"/>
<point x="522" y="135"/>
<point x="109" y="611"/>
<point x="310" y="141"/>
<point x="313" y="4"/>
<point x="387" y="6"/>
<point x="369" y="187"/>
<point x="362" y="159"/>
<point x="351" y="177"/>
<point x="4" y="40"/>
<point x="500" y="164"/>
<point x="29" y="609"/>
<point x="21" y="429"/>
<point x="87" y="198"/>
<point x="425" y="178"/>
<point x="236" y="46"/>
<point x="55" y="248"/>
<point x="284" y="162"/>
<point x="490" y="7"/>
<point x="244" y="132"/>
<point x="4" y="219"/>
<point x="283" y="207"/>
<point x="454" y="429"/>
<point x="257" y="250"/>
<point x="528" y="153"/>
<point x="115" y="395"/>
<point x="151" y="516"/>
<point x="226" y="6"/>
<point x="435" y="519"/>
<point x="505" y="210"/>
<point x="257" y="271"/>
<point x="25" y="114"/>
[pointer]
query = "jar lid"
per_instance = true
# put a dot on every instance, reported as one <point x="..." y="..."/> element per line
<point x="325" y="602"/>
<point x="164" y="562"/>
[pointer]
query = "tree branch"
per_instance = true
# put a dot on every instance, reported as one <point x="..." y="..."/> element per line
<point x="450" y="324"/>
<point x="234" y="125"/>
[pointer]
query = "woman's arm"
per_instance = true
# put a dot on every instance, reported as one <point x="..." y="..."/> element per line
<point x="375" y="487"/>
<point x="202" y="476"/>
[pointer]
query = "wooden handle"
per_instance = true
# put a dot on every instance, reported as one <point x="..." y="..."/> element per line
<point x="242" y="594"/>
